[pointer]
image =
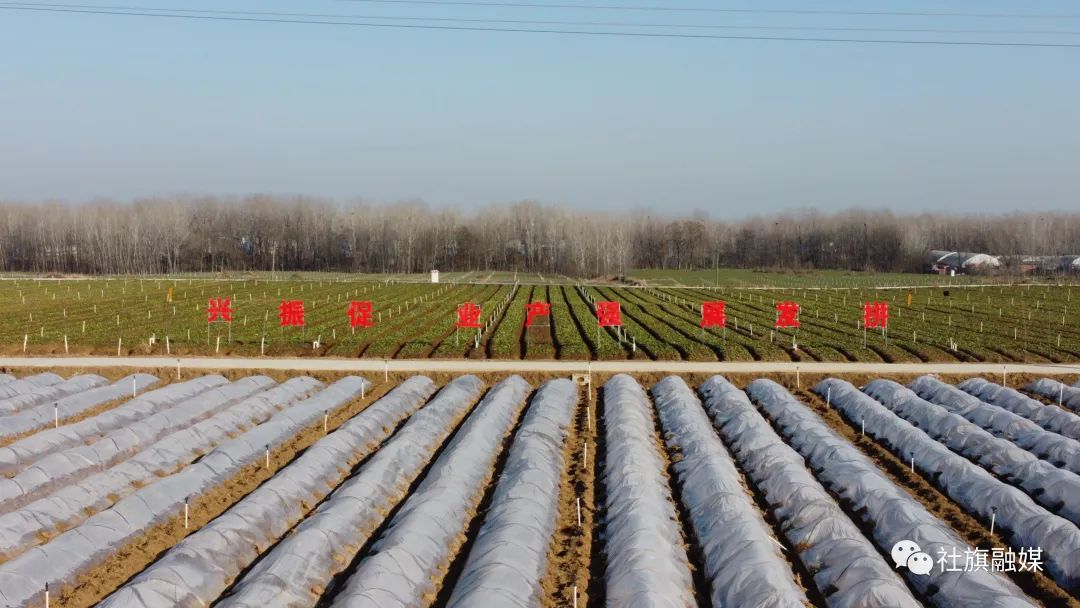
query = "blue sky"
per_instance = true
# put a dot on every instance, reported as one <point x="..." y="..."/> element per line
<point x="100" y="106"/>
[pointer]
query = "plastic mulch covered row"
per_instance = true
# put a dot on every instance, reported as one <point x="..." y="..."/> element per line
<point x="847" y="568"/>
<point x="28" y="384"/>
<point x="1068" y="396"/>
<point x="76" y="552"/>
<point x="197" y="570"/>
<point x="1060" y="451"/>
<point x="1051" y="487"/>
<point x="646" y="559"/>
<point x="409" y="559"/>
<point x="972" y="487"/>
<point x="28" y="399"/>
<point x="1049" y="417"/>
<point x="20" y="453"/>
<point x="508" y="560"/>
<point x="58" y="469"/>
<point x="298" y="569"/>
<point x="69" y="506"/>
<point x="743" y="563"/>
<point x="892" y="513"/>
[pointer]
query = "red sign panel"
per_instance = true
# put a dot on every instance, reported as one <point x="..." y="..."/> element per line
<point x="291" y="313"/>
<point x="608" y="314"/>
<point x="536" y="309"/>
<point x="875" y="314"/>
<point x="787" y="314"/>
<point x="360" y="314"/>
<point x="468" y="315"/>
<point x="713" y="314"/>
<point x="219" y="309"/>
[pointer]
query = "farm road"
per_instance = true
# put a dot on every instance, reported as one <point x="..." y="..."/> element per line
<point x="552" y="367"/>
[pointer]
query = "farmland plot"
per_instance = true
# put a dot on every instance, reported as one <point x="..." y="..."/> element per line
<point x="508" y="492"/>
<point x="998" y="323"/>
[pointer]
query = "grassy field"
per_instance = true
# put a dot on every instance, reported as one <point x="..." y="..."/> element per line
<point x="1031" y="323"/>
<point x="833" y="279"/>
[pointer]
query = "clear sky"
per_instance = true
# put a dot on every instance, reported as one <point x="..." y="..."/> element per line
<point x="123" y="107"/>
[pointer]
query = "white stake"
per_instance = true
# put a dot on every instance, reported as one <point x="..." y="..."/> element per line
<point x="386" y="370"/>
<point x="47" y="595"/>
<point x="168" y="350"/>
<point x="585" y="455"/>
<point x="134" y="388"/>
<point x="579" y="512"/>
<point x="217" y="346"/>
<point x="56" y="415"/>
<point x="185" y="513"/>
<point x="777" y="543"/>
<point x="863" y="431"/>
<point x="588" y="418"/>
<point x="828" y="397"/>
<point x="66" y="344"/>
<point x="268" y="456"/>
<point x="993" y="520"/>
<point x="575" y="597"/>
<point x="912" y="464"/>
<point x="325" y="422"/>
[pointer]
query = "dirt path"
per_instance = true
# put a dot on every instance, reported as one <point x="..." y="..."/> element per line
<point x="480" y="366"/>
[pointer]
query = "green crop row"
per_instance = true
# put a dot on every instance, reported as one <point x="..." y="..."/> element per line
<point x="137" y="316"/>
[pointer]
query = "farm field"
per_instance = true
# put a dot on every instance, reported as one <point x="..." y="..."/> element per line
<point x="150" y="491"/>
<point x="988" y="323"/>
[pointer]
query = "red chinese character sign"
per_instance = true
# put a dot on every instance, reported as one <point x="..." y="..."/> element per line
<point x="291" y="313"/>
<point x="787" y="314"/>
<point x="219" y="309"/>
<point x="536" y="309"/>
<point x="608" y="314"/>
<point x="713" y="314"/>
<point x="468" y="315"/>
<point x="875" y="315"/>
<point x="360" y="314"/>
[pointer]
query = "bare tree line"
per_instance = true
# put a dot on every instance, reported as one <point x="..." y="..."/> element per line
<point x="152" y="236"/>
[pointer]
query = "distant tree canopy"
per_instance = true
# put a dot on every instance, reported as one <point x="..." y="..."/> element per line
<point x="291" y="234"/>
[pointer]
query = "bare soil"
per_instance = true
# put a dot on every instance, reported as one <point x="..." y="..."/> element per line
<point x="569" y="555"/>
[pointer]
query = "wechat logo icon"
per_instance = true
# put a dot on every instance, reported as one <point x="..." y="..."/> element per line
<point x="908" y="554"/>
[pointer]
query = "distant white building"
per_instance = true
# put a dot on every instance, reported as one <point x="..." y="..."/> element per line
<point x="982" y="261"/>
<point x="948" y="262"/>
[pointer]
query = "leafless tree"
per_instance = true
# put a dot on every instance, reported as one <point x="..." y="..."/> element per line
<point x="261" y="232"/>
